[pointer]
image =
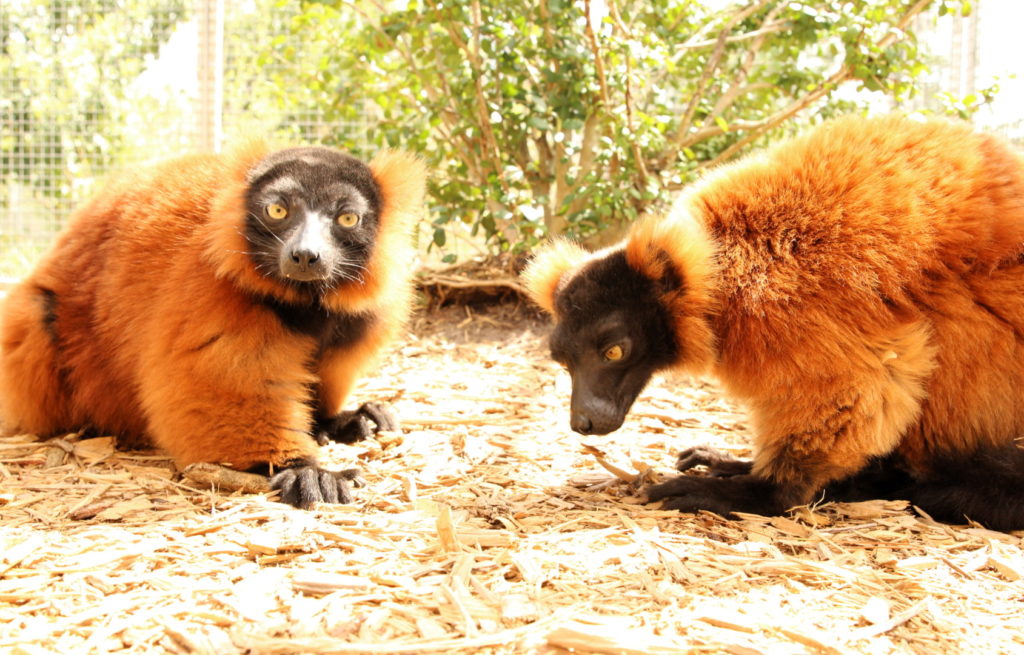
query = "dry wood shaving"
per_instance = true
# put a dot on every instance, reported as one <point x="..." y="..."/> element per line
<point x="485" y="527"/>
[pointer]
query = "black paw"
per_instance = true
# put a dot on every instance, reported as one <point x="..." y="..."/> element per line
<point x="306" y="484"/>
<point x="349" y="427"/>
<point x="721" y="495"/>
<point x="686" y="494"/>
<point x="718" y="463"/>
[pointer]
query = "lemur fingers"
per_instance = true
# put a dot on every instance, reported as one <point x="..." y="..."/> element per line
<point x="362" y="423"/>
<point x="717" y="462"/>
<point x="308" y="484"/>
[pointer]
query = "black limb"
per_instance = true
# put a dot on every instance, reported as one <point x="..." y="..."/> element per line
<point x="987" y="487"/>
<point x="304" y="483"/>
<point x="718" y="463"/>
<point x="882" y="478"/>
<point x="349" y="427"/>
<point x="721" y="495"/>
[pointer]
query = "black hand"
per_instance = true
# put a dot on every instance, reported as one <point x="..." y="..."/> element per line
<point x="305" y="484"/>
<point x="348" y="427"/>
<point x="722" y="495"/>
<point x="718" y="463"/>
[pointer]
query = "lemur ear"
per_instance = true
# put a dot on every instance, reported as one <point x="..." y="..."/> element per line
<point x="402" y="178"/>
<point x="244" y="157"/>
<point x="669" y="251"/>
<point x="676" y="254"/>
<point x="548" y="271"/>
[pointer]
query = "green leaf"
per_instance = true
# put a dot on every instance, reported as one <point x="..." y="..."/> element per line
<point x="397" y="77"/>
<point x="538" y="123"/>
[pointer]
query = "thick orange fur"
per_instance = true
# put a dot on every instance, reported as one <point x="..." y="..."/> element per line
<point x="688" y="249"/>
<point x="549" y="269"/>
<point x="860" y="288"/>
<point x="155" y="293"/>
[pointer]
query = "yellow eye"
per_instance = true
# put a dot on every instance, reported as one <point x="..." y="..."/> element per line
<point x="348" y="219"/>
<point x="276" y="211"/>
<point x="613" y="354"/>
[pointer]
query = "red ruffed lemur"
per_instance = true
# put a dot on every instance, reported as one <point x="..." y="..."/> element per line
<point x="221" y="307"/>
<point x="860" y="289"/>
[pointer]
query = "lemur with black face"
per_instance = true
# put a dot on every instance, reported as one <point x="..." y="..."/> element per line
<point x="860" y="289"/>
<point x="221" y="307"/>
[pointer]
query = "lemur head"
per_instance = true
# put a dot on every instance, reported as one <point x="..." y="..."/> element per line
<point x="312" y="216"/>
<point x="313" y="224"/>
<point x="623" y="314"/>
<point x="612" y="336"/>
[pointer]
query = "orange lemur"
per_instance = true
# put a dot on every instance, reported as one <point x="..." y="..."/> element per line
<point x="221" y="307"/>
<point x="860" y="289"/>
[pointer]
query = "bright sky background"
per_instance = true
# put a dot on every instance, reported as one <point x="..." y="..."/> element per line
<point x="1001" y="53"/>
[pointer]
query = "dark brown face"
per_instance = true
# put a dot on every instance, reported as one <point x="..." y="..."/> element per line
<point x="312" y="217"/>
<point x="612" y="335"/>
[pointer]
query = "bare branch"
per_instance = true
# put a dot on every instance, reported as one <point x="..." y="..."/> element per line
<point x="485" y="116"/>
<point x="587" y="158"/>
<point x="560" y="188"/>
<point x="613" y="12"/>
<point x="787" y="112"/>
<point x="448" y="112"/>
<point x="638" y="155"/>
<point x="489" y="146"/>
<point x="770" y="28"/>
<point x="743" y="72"/>
<point x="805" y="101"/>
<point x="701" y="31"/>
<point x="686" y="122"/>
<point x="588" y="146"/>
<point x="598" y="61"/>
<point x="713" y="130"/>
<point x="894" y="35"/>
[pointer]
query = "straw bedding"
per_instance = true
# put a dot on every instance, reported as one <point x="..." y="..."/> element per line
<point x="486" y="526"/>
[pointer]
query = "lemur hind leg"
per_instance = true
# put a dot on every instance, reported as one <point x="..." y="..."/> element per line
<point x="987" y="487"/>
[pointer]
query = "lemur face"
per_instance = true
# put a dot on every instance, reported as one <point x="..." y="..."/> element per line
<point x="612" y="334"/>
<point x="312" y="216"/>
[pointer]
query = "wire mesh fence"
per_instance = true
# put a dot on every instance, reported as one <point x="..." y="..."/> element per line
<point x="88" y="87"/>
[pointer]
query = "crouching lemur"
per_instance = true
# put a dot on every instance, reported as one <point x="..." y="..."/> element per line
<point x="221" y="307"/>
<point x="860" y="289"/>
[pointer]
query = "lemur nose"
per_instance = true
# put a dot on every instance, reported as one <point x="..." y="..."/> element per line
<point x="305" y="258"/>
<point x="580" y="423"/>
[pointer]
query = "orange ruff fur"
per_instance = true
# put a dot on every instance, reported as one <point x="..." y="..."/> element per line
<point x="160" y="339"/>
<point x="860" y="289"/>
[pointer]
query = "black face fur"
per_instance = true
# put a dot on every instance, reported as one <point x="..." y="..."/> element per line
<point x="309" y="246"/>
<point x="606" y="305"/>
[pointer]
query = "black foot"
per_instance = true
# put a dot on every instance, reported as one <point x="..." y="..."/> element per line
<point x="718" y="463"/>
<point x="721" y="495"/>
<point x="349" y="427"/>
<point x="304" y="484"/>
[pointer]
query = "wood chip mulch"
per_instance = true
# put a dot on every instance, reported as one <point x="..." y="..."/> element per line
<point x="487" y="526"/>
